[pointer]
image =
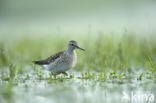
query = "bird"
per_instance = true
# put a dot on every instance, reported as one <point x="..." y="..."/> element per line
<point x="61" y="61"/>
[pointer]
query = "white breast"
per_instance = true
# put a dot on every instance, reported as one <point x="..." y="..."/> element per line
<point x="74" y="59"/>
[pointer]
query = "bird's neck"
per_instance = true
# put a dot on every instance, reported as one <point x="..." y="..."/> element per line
<point x="70" y="51"/>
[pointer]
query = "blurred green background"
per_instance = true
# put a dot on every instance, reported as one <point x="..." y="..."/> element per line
<point x="74" y="16"/>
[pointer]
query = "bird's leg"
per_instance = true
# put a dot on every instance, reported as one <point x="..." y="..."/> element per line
<point x="65" y="73"/>
<point x="53" y="74"/>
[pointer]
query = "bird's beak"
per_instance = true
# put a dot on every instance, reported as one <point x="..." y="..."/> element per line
<point x="80" y="48"/>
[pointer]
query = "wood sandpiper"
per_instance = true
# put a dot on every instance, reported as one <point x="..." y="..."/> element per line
<point x="61" y="61"/>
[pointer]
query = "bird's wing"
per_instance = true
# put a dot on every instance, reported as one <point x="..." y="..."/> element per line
<point x="49" y="59"/>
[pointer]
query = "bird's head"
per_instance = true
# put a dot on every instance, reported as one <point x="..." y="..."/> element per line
<point x="74" y="45"/>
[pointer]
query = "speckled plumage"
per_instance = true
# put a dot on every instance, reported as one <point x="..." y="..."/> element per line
<point x="62" y="61"/>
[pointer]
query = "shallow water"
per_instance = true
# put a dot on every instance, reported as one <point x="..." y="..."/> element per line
<point x="35" y="88"/>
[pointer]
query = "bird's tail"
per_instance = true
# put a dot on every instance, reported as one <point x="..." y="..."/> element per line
<point x="38" y="62"/>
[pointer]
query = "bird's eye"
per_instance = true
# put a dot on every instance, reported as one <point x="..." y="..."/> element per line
<point x="72" y="44"/>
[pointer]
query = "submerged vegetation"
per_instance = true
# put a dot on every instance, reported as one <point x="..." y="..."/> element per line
<point x="111" y="63"/>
